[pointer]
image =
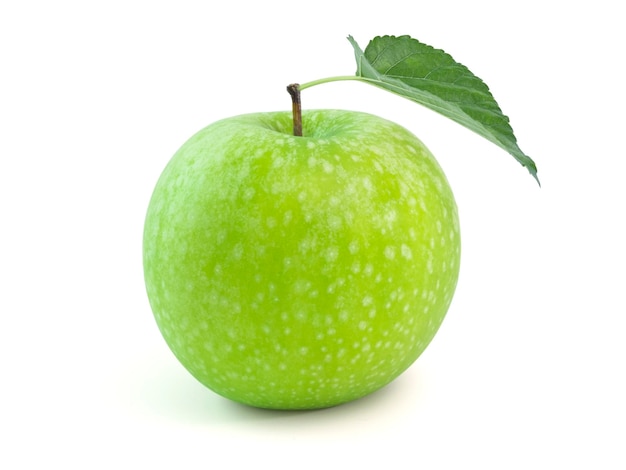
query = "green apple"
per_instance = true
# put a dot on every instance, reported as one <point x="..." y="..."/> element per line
<point x="292" y="272"/>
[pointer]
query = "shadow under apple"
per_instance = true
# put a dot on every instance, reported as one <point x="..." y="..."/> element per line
<point x="165" y="391"/>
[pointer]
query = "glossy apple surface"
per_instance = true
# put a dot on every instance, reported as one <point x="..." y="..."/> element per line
<point x="300" y="272"/>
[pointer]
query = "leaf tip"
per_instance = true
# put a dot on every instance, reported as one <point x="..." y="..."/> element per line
<point x="533" y="172"/>
<point x="532" y="169"/>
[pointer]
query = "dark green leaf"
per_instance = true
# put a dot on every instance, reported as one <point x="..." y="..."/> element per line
<point x="434" y="79"/>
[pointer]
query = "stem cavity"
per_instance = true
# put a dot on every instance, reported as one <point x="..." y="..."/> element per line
<point x="296" y="106"/>
<point x="295" y="88"/>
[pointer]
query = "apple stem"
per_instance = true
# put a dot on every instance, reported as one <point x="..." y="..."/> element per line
<point x="296" y="106"/>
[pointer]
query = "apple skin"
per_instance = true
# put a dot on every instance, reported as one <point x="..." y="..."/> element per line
<point x="300" y="272"/>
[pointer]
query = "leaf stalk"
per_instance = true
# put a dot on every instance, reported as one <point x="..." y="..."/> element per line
<point x="337" y="78"/>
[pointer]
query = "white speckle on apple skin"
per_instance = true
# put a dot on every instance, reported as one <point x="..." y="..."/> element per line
<point x="300" y="272"/>
<point x="390" y="252"/>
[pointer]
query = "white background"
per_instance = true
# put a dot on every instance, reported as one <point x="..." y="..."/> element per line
<point x="528" y="369"/>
